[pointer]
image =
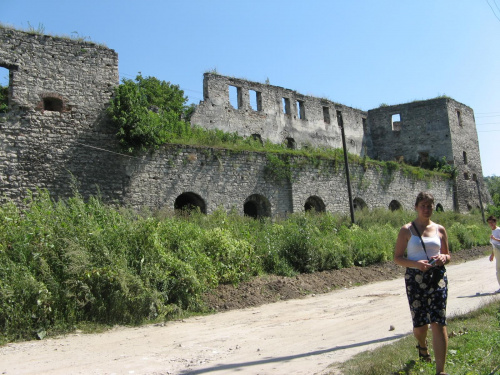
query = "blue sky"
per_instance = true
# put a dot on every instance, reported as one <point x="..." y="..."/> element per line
<point x="361" y="53"/>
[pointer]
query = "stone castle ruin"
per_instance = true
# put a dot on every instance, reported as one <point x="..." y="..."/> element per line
<point x="56" y="135"/>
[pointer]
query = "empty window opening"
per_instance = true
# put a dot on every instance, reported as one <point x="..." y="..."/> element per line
<point x="359" y="204"/>
<point x="396" y="122"/>
<point x="255" y="100"/>
<point x="326" y="115"/>
<point x="439" y="207"/>
<point x="465" y="157"/>
<point x="4" y="90"/>
<point x="314" y="204"/>
<point x="365" y="126"/>
<point x="235" y="96"/>
<point x="52" y="104"/>
<point x="466" y="176"/>
<point x="474" y="177"/>
<point x="286" y="106"/>
<point x="257" y="206"/>
<point x="301" y="109"/>
<point x="459" y="118"/>
<point x="188" y="202"/>
<point x="395" y="205"/>
<point x="290" y="143"/>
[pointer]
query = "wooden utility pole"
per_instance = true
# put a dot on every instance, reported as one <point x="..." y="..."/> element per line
<point x="344" y="146"/>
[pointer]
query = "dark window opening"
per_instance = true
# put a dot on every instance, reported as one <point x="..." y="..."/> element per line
<point x="52" y="104"/>
<point x="395" y="205"/>
<point x="474" y="177"/>
<point x="326" y="114"/>
<point x="459" y="118"/>
<point x="255" y="100"/>
<point x="190" y="201"/>
<point x="439" y="207"/>
<point x="363" y="120"/>
<point x="359" y="204"/>
<point x="235" y="96"/>
<point x="301" y="109"/>
<point x="257" y="206"/>
<point x="465" y="157"/>
<point x="396" y="122"/>
<point x="314" y="204"/>
<point x="286" y="106"/>
<point x="290" y="143"/>
<point x="466" y="176"/>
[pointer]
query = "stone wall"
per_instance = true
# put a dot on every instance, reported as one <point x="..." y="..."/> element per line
<point x="424" y="132"/>
<point x="58" y="90"/>
<point x="277" y="114"/>
<point x="56" y="136"/>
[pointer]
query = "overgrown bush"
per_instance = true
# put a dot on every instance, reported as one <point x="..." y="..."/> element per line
<point x="4" y="99"/>
<point x="68" y="262"/>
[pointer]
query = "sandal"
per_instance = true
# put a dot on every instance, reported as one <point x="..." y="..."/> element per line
<point x="424" y="357"/>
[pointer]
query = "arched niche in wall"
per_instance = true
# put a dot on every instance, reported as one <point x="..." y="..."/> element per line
<point x="314" y="203"/>
<point x="190" y="201"/>
<point x="439" y="207"/>
<point x="359" y="204"/>
<point x="395" y="205"/>
<point x="257" y="206"/>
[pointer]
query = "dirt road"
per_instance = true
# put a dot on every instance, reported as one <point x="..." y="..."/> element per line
<point x="291" y="337"/>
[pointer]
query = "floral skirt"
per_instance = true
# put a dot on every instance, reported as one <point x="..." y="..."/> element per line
<point x="427" y="299"/>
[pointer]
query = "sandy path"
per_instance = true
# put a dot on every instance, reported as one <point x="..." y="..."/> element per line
<point x="290" y="337"/>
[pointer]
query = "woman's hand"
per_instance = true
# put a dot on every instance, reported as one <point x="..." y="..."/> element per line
<point x="423" y="265"/>
<point x="440" y="259"/>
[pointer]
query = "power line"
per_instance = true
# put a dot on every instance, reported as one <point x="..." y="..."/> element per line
<point x="493" y="10"/>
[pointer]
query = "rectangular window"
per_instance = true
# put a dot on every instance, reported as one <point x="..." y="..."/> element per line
<point x="255" y="100"/>
<point x="235" y="96"/>
<point x="459" y="118"/>
<point x="286" y="106"/>
<point x="301" y="109"/>
<point x="396" y="122"/>
<point x="364" y="124"/>
<point x="326" y="114"/>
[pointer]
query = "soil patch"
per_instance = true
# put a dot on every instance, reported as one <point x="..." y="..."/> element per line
<point x="270" y="288"/>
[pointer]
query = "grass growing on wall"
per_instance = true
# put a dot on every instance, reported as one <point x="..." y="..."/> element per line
<point x="66" y="263"/>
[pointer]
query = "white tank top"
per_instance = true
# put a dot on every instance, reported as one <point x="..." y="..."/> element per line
<point x="414" y="249"/>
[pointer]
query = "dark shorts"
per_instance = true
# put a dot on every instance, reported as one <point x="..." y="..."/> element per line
<point x="427" y="302"/>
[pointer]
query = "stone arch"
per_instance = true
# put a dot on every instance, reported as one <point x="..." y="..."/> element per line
<point x="314" y="203"/>
<point x="395" y="205"/>
<point x="190" y="201"/>
<point x="257" y="206"/>
<point x="359" y="204"/>
<point x="439" y="207"/>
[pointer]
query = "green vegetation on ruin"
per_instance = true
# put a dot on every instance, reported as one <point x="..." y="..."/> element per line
<point x="72" y="262"/>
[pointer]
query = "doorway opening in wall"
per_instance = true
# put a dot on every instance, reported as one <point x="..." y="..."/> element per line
<point x="4" y="89"/>
<point x="257" y="206"/>
<point x="189" y="201"/>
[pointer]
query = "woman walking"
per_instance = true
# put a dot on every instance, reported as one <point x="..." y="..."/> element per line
<point x="422" y="247"/>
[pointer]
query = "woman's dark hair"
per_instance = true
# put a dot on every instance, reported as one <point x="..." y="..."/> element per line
<point x="492" y="218"/>
<point x="424" y="196"/>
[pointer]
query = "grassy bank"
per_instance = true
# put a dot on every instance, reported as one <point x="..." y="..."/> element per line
<point x="68" y="263"/>
<point x="474" y="349"/>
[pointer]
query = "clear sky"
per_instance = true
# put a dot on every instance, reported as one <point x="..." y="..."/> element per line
<point x="361" y="53"/>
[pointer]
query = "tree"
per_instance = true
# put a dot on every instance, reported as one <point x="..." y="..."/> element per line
<point x="148" y="112"/>
<point x="493" y="185"/>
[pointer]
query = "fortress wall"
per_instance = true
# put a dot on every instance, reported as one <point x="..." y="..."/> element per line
<point x="276" y="114"/>
<point x="226" y="179"/>
<point x="59" y="88"/>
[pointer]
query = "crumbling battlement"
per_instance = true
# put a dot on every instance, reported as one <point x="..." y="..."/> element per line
<point x="277" y="114"/>
<point x="56" y="135"/>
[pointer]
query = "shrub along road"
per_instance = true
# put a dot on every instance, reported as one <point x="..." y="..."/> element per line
<point x="300" y="336"/>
